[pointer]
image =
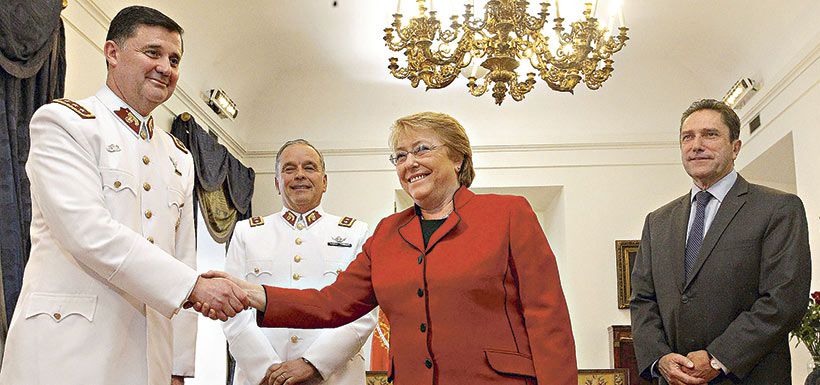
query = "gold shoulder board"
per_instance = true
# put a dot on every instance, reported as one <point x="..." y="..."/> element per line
<point x="347" y="222"/>
<point x="257" y="221"/>
<point x="179" y="144"/>
<point x="76" y="107"/>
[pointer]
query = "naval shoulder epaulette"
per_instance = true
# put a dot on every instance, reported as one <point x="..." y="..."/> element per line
<point x="76" y="107"/>
<point x="347" y="222"/>
<point x="179" y="144"/>
<point x="257" y="221"/>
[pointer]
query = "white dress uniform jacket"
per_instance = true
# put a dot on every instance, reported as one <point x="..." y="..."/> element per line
<point x="112" y="255"/>
<point x="300" y="252"/>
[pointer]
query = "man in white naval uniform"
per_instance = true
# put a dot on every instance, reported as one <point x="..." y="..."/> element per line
<point x="113" y="255"/>
<point x="300" y="247"/>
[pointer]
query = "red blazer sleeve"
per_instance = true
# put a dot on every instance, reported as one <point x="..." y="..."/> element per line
<point x="545" y="309"/>
<point x="346" y="300"/>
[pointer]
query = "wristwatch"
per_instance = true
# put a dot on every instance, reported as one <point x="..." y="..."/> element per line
<point x="713" y="362"/>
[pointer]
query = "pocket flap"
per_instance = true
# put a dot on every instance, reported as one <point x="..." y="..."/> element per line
<point x="505" y="362"/>
<point x="61" y="306"/>
<point x="175" y="198"/>
<point x="258" y="267"/>
<point x="118" y="180"/>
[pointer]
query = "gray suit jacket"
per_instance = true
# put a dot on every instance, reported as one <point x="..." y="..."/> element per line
<point x="748" y="289"/>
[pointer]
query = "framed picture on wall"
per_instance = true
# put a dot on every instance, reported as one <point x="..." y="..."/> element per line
<point x="625" y="253"/>
<point x="376" y="377"/>
<point x="603" y="377"/>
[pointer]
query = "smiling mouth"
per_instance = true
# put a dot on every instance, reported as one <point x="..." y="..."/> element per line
<point x="155" y="81"/>
<point x="417" y="178"/>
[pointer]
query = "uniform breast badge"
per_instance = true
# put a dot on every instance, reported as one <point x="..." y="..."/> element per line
<point x="339" y="241"/>
<point x="176" y="169"/>
<point x="113" y="148"/>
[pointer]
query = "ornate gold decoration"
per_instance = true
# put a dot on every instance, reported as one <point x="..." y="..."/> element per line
<point x="505" y="37"/>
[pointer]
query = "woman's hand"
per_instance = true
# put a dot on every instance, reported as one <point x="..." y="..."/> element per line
<point x="255" y="292"/>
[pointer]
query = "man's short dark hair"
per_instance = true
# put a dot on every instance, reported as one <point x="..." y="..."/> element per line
<point x="727" y="115"/>
<point x="124" y="25"/>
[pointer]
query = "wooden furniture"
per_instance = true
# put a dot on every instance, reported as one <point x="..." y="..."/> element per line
<point x="603" y="377"/>
<point x="622" y="353"/>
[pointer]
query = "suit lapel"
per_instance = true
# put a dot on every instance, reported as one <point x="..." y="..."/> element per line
<point x="680" y="222"/>
<point x="731" y="204"/>
<point x="411" y="232"/>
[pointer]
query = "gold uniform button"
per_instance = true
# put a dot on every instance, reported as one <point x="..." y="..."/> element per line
<point x="294" y="339"/>
<point x="143" y="135"/>
<point x="338" y="271"/>
<point x="296" y="276"/>
<point x="300" y="226"/>
<point x="145" y="160"/>
<point x="146" y="186"/>
<point x="298" y="241"/>
<point x="150" y="239"/>
<point x="57" y="316"/>
<point x="297" y="259"/>
<point x="256" y="270"/>
<point x="149" y="214"/>
<point x="117" y="184"/>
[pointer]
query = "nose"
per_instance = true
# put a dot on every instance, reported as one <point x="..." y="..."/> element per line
<point x="163" y="66"/>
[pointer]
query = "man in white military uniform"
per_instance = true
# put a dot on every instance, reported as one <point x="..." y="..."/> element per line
<point x="300" y="247"/>
<point x="113" y="250"/>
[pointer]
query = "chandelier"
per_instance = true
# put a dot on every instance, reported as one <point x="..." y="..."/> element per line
<point x="500" y="41"/>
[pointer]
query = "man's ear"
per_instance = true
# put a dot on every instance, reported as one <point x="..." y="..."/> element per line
<point x="276" y="183"/>
<point x="111" y="51"/>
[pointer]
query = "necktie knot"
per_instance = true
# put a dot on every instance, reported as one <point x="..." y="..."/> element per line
<point x="703" y="198"/>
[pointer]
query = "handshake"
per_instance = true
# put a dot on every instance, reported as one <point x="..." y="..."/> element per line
<point x="218" y="295"/>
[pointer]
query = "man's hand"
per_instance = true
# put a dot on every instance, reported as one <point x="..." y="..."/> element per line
<point x="256" y="293"/>
<point x="219" y="298"/>
<point x="702" y="368"/>
<point x="292" y="372"/>
<point x="673" y="368"/>
<point x="177" y="380"/>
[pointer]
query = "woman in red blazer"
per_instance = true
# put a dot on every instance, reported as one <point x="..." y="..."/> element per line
<point x="468" y="282"/>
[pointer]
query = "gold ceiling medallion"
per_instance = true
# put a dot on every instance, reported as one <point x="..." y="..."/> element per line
<point x="502" y="41"/>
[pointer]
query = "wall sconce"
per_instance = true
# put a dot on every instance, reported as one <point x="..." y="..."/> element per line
<point x="222" y="104"/>
<point x="740" y="93"/>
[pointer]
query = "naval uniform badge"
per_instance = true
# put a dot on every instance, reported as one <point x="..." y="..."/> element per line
<point x="76" y="107"/>
<point x="257" y="221"/>
<point x="347" y="222"/>
<point x="339" y="241"/>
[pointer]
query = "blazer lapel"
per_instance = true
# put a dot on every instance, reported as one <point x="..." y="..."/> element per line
<point x="411" y="232"/>
<point x="680" y="222"/>
<point x="731" y="204"/>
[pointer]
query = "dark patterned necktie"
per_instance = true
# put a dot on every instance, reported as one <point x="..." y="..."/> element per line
<point x="696" y="233"/>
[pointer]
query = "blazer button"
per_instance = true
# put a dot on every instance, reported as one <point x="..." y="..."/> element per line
<point x="294" y="339"/>
<point x="684" y="299"/>
<point x="145" y="160"/>
<point x="297" y="259"/>
<point x="146" y="186"/>
<point x="296" y="276"/>
<point x="143" y="135"/>
<point x="117" y="184"/>
<point x="57" y="316"/>
<point x="148" y="214"/>
<point x="256" y="270"/>
<point x="420" y="293"/>
<point x="423" y="328"/>
<point x="150" y="239"/>
<point x="428" y="363"/>
<point x="300" y="226"/>
<point x="298" y="241"/>
<point x="421" y="259"/>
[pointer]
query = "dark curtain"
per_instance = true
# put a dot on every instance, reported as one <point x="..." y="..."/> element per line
<point x="32" y="73"/>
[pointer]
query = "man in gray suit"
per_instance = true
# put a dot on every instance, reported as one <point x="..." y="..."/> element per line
<point x="723" y="272"/>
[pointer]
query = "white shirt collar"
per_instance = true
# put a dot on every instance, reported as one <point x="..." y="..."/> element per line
<point x="719" y="189"/>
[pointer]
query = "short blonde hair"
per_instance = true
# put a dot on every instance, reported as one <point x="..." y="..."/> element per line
<point x="451" y="133"/>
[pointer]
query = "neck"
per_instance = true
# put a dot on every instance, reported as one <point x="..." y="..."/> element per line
<point x="301" y="209"/>
<point x="142" y="110"/>
<point x="439" y="212"/>
<point x="705" y="184"/>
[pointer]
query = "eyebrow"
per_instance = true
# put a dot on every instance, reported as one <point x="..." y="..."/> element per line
<point x="176" y="54"/>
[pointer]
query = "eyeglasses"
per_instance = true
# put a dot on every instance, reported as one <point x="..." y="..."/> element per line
<point x="421" y="151"/>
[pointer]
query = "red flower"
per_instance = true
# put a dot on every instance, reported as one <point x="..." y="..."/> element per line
<point x="816" y="297"/>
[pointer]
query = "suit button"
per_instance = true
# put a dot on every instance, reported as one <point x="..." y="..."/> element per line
<point x="294" y="339"/>
<point x="150" y="239"/>
<point x="423" y="328"/>
<point x="145" y="160"/>
<point x="297" y="259"/>
<point x="298" y="241"/>
<point x="256" y="270"/>
<point x="117" y="184"/>
<point x="148" y="214"/>
<point x="684" y="299"/>
<point x="296" y="276"/>
<point x="428" y="363"/>
<point x="57" y="316"/>
<point x="421" y="259"/>
<point x="146" y="186"/>
<point x="300" y="226"/>
<point x="143" y="135"/>
<point x="420" y="293"/>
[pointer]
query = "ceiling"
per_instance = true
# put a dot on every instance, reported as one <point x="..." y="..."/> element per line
<point x="310" y="69"/>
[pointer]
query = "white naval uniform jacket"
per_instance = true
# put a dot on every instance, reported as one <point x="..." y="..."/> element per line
<point x="302" y="254"/>
<point x="112" y="254"/>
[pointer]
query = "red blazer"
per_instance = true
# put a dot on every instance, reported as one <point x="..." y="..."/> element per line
<point x="482" y="304"/>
